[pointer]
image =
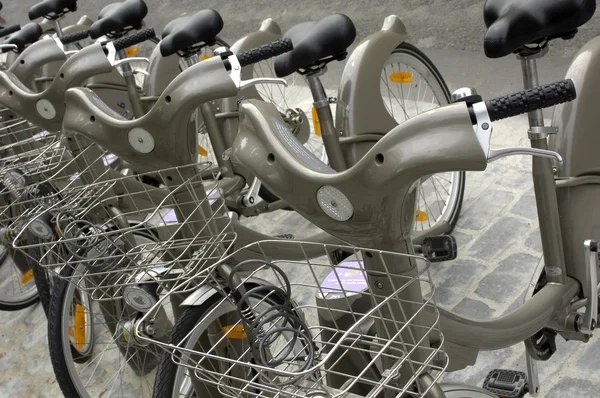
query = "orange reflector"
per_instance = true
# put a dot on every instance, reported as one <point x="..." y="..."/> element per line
<point x="79" y="326"/>
<point x="57" y="231"/>
<point x="202" y="151"/>
<point x="130" y="52"/>
<point x="205" y="56"/>
<point x="422" y="216"/>
<point x="316" y="123"/>
<point x="401" y="77"/>
<point x="235" y="332"/>
<point x="27" y="276"/>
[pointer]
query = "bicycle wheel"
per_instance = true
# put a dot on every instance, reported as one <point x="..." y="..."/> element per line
<point x="193" y="326"/>
<point x="411" y="85"/>
<point x="43" y="281"/>
<point x="119" y="364"/>
<point x="17" y="285"/>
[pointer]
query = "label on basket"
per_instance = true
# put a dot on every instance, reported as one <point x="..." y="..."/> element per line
<point x="351" y="276"/>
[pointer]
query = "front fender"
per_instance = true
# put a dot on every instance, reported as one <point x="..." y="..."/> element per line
<point x="206" y="291"/>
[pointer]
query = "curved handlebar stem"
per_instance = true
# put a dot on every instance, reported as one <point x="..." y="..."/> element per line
<point x="49" y="104"/>
<point x="441" y="140"/>
<point x="34" y="57"/>
<point x="159" y="139"/>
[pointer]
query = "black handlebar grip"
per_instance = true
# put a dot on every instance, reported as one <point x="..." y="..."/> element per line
<point x="75" y="37"/>
<point x="265" y="52"/>
<point x="532" y="99"/>
<point x="136" y="38"/>
<point x="9" y="30"/>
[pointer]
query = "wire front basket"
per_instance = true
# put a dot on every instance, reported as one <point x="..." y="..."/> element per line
<point x="118" y="231"/>
<point x="313" y="327"/>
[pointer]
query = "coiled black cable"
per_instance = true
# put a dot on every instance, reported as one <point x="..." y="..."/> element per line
<point x="265" y="328"/>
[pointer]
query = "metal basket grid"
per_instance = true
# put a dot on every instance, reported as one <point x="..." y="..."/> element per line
<point x="336" y="307"/>
<point x="18" y="136"/>
<point x="53" y="178"/>
<point x="121" y="231"/>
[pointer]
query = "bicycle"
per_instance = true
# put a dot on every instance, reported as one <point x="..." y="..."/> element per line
<point x="564" y="302"/>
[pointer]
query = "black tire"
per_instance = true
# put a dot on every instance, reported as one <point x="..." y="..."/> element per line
<point x="40" y="275"/>
<point x="411" y="50"/>
<point x="167" y="369"/>
<point x="166" y="372"/>
<point x="55" y="343"/>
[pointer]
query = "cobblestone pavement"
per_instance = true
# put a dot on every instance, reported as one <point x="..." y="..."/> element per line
<point x="499" y="248"/>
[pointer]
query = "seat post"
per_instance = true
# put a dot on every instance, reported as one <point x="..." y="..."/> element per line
<point x="58" y="27"/>
<point x="543" y="182"/>
<point x="132" y="90"/>
<point x="530" y="80"/>
<point x="331" y="139"/>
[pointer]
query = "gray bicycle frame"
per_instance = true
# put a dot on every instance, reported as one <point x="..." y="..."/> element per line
<point x="262" y="136"/>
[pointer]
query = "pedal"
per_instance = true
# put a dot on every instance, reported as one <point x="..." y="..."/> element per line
<point x="506" y="383"/>
<point x="439" y="248"/>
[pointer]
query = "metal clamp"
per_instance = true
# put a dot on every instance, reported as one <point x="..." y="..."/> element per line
<point x="9" y="47"/>
<point x="112" y="52"/>
<point x="252" y="196"/>
<point x="587" y="322"/>
<point x="541" y="132"/>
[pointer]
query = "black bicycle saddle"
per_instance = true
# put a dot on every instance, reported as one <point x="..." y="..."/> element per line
<point x="514" y="23"/>
<point x="52" y="9"/>
<point x="182" y="34"/>
<point x="118" y="18"/>
<point x="316" y="43"/>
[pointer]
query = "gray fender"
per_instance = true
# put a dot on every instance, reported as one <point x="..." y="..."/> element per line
<point x="206" y="291"/>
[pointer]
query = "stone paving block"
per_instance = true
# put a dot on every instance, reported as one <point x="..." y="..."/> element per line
<point x="518" y="263"/>
<point x="516" y="179"/>
<point x="588" y="361"/>
<point x="487" y="206"/>
<point x="504" y="234"/>
<point x="454" y="279"/>
<point x="575" y="388"/>
<point x="474" y="309"/>
<point x="535" y="241"/>
<point x="500" y="287"/>
<point x="526" y="206"/>
<point x="463" y="240"/>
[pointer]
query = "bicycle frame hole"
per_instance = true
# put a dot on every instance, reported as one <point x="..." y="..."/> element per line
<point x="92" y="119"/>
<point x="271" y="158"/>
<point x="369" y="254"/>
<point x="379" y="158"/>
<point x="168" y="99"/>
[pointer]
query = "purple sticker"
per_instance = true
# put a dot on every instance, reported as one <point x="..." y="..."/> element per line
<point x="351" y="276"/>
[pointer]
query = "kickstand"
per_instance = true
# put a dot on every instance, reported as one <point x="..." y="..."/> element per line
<point x="532" y="375"/>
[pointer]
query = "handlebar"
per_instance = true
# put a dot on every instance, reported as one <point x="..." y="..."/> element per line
<point x="531" y="100"/>
<point x="11" y="29"/>
<point x="136" y="38"/>
<point x="75" y="37"/>
<point x="265" y="52"/>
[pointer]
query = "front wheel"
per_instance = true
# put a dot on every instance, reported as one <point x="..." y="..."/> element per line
<point x="17" y="283"/>
<point x="410" y="85"/>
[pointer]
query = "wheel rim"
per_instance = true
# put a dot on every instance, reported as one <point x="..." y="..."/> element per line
<point x="409" y="88"/>
<point x="296" y="95"/>
<point x="107" y="372"/>
<point x="16" y="287"/>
